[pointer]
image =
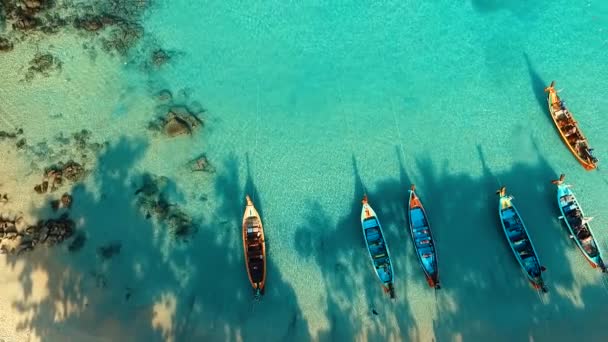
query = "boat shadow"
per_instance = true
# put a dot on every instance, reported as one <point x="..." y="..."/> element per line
<point x="538" y="88"/>
<point x="356" y="304"/>
<point x="477" y="266"/>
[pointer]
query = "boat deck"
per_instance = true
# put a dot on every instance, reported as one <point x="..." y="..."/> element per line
<point x="520" y="242"/>
<point x="377" y="249"/>
<point x="577" y="225"/>
<point x="255" y="252"/>
<point x="423" y="240"/>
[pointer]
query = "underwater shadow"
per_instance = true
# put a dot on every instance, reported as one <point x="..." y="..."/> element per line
<point x="152" y="286"/>
<point x="479" y="269"/>
<point x="356" y="305"/>
<point x="538" y="86"/>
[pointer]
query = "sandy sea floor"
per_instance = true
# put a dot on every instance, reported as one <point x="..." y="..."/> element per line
<point x="306" y="107"/>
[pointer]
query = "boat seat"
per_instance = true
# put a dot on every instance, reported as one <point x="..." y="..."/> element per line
<point x="520" y="244"/>
<point x="372" y="235"/>
<point x="423" y="241"/>
<point x="418" y="219"/>
<point x="425" y="250"/>
<point x="370" y="223"/>
<point x="525" y="254"/>
<point x="381" y="255"/>
<point x="516" y="236"/>
<point x="421" y="230"/>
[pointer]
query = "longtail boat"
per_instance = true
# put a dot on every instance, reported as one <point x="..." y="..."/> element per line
<point x="568" y="129"/>
<point x="422" y="238"/>
<point x="376" y="246"/>
<point x="519" y="240"/>
<point x="578" y="224"/>
<point x="254" y="248"/>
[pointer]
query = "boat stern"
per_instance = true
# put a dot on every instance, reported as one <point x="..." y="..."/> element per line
<point x="390" y="289"/>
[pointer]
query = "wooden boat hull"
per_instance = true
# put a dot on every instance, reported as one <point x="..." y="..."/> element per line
<point x="377" y="247"/>
<point x="578" y="226"/>
<point x="422" y="238"/>
<point x="519" y="241"/>
<point x="556" y="112"/>
<point x="254" y="247"/>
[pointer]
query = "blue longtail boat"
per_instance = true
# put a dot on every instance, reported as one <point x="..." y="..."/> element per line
<point x="519" y="240"/>
<point x="376" y="246"/>
<point x="422" y="238"/>
<point x="578" y="224"/>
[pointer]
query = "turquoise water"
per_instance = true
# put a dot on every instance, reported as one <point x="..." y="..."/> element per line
<point x="308" y="106"/>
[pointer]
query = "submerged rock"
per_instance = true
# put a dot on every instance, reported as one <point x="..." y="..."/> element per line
<point x="21" y="143"/>
<point x="81" y="138"/>
<point x="43" y="63"/>
<point x="109" y="250"/>
<point x="73" y="171"/>
<point x="78" y="242"/>
<point x="123" y="37"/>
<point x="49" y="232"/>
<point x="201" y="163"/>
<point x="178" y="120"/>
<point x="26" y="22"/>
<point x="10" y="135"/>
<point x="165" y="95"/>
<point x="5" y="44"/>
<point x="90" y="23"/>
<point x="153" y="203"/>
<point x="160" y="57"/>
<point x="64" y="202"/>
<point x="176" y="126"/>
<point x="54" y="175"/>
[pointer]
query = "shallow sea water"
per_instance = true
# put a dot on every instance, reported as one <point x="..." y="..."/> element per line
<point x="308" y="106"/>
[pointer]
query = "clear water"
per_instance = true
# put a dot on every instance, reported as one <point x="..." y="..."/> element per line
<point x="309" y="105"/>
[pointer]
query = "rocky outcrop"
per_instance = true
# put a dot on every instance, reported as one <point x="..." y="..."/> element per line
<point x="160" y="57"/>
<point x="5" y="44"/>
<point x="202" y="164"/>
<point x="153" y="203"/>
<point x="43" y="64"/>
<point x="46" y="232"/>
<point x="119" y="19"/>
<point x="54" y="175"/>
<point x="177" y="121"/>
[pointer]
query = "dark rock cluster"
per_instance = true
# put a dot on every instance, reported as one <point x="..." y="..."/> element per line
<point x="32" y="15"/>
<point x="153" y="203"/>
<point x="160" y="57"/>
<point x="43" y="64"/>
<point x="114" y="21"/>
<point x="46" y="232"/>
<point x="54" y="176"/>
<point x="64" y="202"/>
<point x="78" y="242"/>
<point x="201" y="163"/>
<point x="178" y="120"/>
<point x="5" y="44"/>
<point x="15" y="135"/>
<point x="110" y="249"/>
<point x="165" y="95"/>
